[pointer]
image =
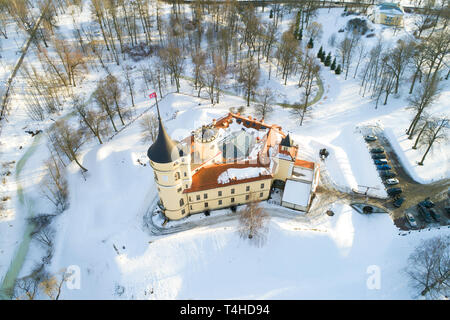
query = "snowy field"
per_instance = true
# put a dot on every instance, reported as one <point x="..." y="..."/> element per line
<point x="103" y="230"/>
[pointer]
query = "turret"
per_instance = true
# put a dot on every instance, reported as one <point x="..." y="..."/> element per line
<point x="168" y="163"/>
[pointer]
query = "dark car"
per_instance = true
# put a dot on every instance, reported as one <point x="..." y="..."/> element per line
<point x="436" y="216"/>
<point x="387" y="174"/>
<point x="393" y="191"/>
<point x="377" y="150"/>
<point x="384" y="167"/>
<point x="379" y="156"/>
<point x="370" y="138"/>
<point x="380" y="161"/>
<point x="398" y="203"/>
<point x="427" y="203"/>
<point x="424" y="212"/>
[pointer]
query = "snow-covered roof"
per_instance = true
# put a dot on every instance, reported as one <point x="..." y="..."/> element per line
<point x="241" y="174"/>
<point x="297" y="192"/>
<point x="389" y="8"/>
<point x="302" y="173"/>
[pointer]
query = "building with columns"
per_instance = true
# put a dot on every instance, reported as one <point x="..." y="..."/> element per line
<point x="232" y="161"/>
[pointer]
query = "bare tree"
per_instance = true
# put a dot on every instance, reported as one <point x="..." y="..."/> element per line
<point x="287" y="53"/>
<point x="67" y="140"/>
<point x="198" y="59"/>
<point x="266" y="99"/>
<point x="399" y="58"/>
<point x="311" y="71"/>
<point x="346" y="48"/>
<point x="429" y="268"/>
<point x="29" y="287"/>
<point x="108" y="94"/>
<point x="54" y="185"/>
<point x="129" y="82"/>
<point x="93" y="120"/>
<point x="438" y="49"/>
<point x="424" y="123"/>
<point x="71" y="58"/>
<point x="45" y="236"/>
<point x="424" y="97"/>
<point x="253" y="220"/>
<point x="149" y="127"/>
<point x="172" y="59"/>
<point x="418" y="57"/>
<point x="314" y="31"/>
<point x="249" y="78"/>
<point x="435" y="133"/>
<point x="361" y="50"/>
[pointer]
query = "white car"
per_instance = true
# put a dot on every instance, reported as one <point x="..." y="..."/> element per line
<point x="391" y="181"/>
<point x="411" y="220"/>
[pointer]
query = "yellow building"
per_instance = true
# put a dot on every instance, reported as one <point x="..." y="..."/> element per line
<point x="387" y="13"/>
<point x="230" y="162"/>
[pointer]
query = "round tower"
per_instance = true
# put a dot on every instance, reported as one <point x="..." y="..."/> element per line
<point x="169" y="167"/>
<point x="205" y="146"/>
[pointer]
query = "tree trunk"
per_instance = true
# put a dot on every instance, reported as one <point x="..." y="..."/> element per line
<point x="426" y="152"/>
<point x="420" y="134"/>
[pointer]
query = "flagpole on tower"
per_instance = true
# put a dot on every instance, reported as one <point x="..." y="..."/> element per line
<point x="156" y="99"/>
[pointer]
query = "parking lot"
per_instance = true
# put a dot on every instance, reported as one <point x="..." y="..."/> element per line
<point x="412" y="191"/>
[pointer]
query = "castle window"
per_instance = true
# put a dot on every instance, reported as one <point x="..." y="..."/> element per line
<point x="198" y="197"/>
<point x="205" y="196"/>
<point x="185" y="174"/>
<point x="220" y="193"/>
<point x="220" y="202"/>
<point x="247" y="188"/>
<point x="177" y="175"/>
<point x="206" y="204"/>
<point x="262" y="185"/>
<point x="232" y="199"/>
<point x="181" y="202"/>
<point x="261" y="195"/>
<point x="183" y="212"/>
<point x="232" y="191"/>
<point x="179" y="190"/>
<point x="247" y="197"/>
<point x="190" y="199"/>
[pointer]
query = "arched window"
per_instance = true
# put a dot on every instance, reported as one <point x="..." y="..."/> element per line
<point x="181" y="202"/>
<point x="177" y="175"/>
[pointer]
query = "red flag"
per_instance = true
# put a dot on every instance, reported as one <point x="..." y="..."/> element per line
<point x="152" y="95"/>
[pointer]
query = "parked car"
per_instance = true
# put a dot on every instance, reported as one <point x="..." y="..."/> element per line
<point x="411" y="220"/>
<point x="436" y="216"/>
<point x="387" y="174"/>
<point x="398" y="203"/>
<point x="380" y="161"/>
<point x="393" y="191"/>
<point x="424" y="212"/>
<point x="392" y="181"/>
<point x="379" y="156"/>
<point x="427" y="203"/>
<point x="377" y="150"/>
<point x="384" y="167"/>
<point x="370" y="138"/>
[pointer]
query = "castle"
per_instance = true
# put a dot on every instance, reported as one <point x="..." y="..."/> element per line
<point x="232" y="161"/>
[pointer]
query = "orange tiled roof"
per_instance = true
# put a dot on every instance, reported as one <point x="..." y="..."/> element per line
<point x="304" y="164"/>
<point x="206" y="178"/>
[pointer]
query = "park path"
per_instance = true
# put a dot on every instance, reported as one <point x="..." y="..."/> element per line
<point x="25" y="203"/>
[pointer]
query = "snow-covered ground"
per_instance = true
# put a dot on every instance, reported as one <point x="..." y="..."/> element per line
<point x="103" y="230"/>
